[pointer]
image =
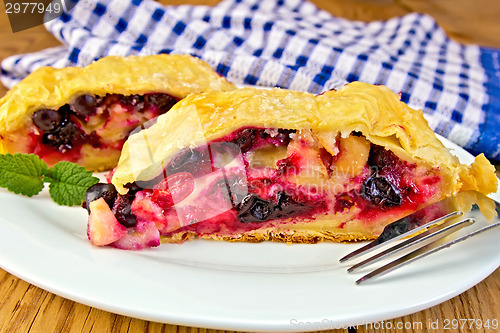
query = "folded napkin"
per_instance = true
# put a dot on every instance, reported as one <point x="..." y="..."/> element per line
<point x="293" y="44"/>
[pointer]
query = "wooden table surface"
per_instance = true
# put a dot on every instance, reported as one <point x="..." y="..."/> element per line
<point x="26" y="308"/>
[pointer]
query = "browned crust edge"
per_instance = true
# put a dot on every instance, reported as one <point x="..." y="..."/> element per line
<point x="289" y="237"/>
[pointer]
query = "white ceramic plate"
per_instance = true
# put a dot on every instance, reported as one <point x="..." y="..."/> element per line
<point x="233" y="286"/>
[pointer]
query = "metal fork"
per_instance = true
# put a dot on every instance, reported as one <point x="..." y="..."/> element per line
<point x="430" y="224"/>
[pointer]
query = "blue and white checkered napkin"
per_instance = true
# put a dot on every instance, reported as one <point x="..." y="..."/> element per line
<point x="293" y="44"/>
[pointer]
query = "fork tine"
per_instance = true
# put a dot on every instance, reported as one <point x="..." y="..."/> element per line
<point x="388" y="235"/>
<point x="425" y="250"/>
<point x="426" y="235"/>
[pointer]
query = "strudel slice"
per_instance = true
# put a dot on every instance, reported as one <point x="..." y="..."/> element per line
<point x="84" y="115"/>
<point x="255" y="165"/>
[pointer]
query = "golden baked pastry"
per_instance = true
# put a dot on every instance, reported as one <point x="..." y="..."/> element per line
<point x="255" y="165"/>
<point x="84" y="115"/>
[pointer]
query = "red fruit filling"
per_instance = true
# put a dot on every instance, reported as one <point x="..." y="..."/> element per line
<point x="99" y="122"/>
<point x="256" y="178"/>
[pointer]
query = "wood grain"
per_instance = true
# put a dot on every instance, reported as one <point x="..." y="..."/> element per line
<point x="26" y="308"/>
<point x="475" y="22"/>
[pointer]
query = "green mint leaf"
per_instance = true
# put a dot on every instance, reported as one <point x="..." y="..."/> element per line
<point x="22" y="173"/>
<point x="68" y="183"/>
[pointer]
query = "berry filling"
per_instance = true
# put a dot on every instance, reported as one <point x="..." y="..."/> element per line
<point x="92" y="123"/>
<point x="267" y="178"/>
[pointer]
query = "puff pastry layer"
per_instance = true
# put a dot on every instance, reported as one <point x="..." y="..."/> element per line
<point x="255" y="165"/>
<point x="141" y="87"/>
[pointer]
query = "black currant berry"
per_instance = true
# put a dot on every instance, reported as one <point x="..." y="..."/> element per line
<point x="85" y="105"/>
<point x="380" y="191"/>
<point x="47" y="120"/>
<point x="123" y="210"/>
<point x="245" y="139"/>
<point x="254" y="209"/>
<point x="101" y="190"/>
<point x="163" y="102"/>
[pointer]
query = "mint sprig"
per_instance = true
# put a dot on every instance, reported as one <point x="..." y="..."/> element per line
<point x="27" y="174"/>
<point x="22" y="174"/>
<point x="68" y="183"/>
